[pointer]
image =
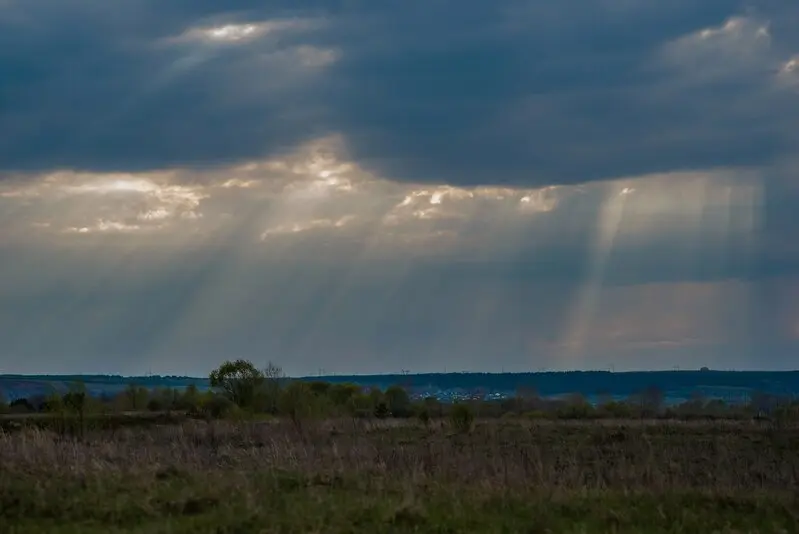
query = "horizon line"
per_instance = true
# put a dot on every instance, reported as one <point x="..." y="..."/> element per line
<point x="410" y="374"/>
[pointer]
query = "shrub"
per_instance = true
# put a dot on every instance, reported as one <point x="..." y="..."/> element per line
<point x="381" y="410"/>
<point x="462" y="417"/>
<point x="575" y="410"/>
<point x="298" y="402"/>
<point x="21" y="406"/>
<point x="155" y="405"/>
<point x="423" y="414"/>
<point x="399" y="403"/>
<point x="616" y="409"/>
<point x="218" y="407"/>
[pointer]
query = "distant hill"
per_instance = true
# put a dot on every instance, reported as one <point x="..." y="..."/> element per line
<point x="19" y="386"/>
<point x="730" y="385"/>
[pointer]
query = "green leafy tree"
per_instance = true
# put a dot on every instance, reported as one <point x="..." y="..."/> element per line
<point x="238" y="380"/>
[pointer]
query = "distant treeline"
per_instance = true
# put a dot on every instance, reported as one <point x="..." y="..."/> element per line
<point x="595" y="382"/>
<point x="104" y="379"/>
<point x="240" y="390"/>
<point x="588" y="383"/>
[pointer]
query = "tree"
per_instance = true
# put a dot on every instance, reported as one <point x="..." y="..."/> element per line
<point x="269" y="391"/>
<point x="53" y="403"/>
<point x="398" y="401"/>
<point x="136" y="397"/>
<point x="238" y="380"/>
<point x="75" y="399"/>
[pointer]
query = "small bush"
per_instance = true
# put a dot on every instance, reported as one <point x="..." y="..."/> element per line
<point x="155" y="405"/>
<point x="423" y="414"/>
<point x="381" y="410"/>
<point x="21" y="406"/>
<point x="218" y="407"/>
<point x="462" y="417"/>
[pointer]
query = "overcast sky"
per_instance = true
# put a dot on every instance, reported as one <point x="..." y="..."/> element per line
<point x="367" y="186"/>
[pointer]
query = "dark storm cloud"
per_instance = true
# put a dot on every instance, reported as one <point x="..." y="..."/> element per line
<point x="122" y="273"/>
<point x="476" y="92"/>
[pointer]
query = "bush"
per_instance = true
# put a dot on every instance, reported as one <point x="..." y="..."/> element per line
<point x="616" y="409"/>
<point x="398" y="401"/>
<point x="462" y="417"/>
<point x="577" y="410"/>
<point x="21" y="406"/>
<point x="155" y="405"/>
<point x="423" y="414"/>
<point x="381" y="410"/>
<point x="218" y="407"/>
<point x="298" y="402"/>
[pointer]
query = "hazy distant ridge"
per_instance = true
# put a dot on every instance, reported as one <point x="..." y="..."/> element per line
<point x="676" y="384"/>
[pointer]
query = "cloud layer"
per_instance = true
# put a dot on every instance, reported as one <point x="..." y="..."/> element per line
<point x="369" y="186"/>
<point x="515" y="92"/>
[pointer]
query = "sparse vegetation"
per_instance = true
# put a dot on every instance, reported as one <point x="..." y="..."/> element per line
<point x="266" y="454"/>
<point x="380" y="476"/>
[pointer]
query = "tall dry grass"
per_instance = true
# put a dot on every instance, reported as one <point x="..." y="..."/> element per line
<point x="723" y="457"/>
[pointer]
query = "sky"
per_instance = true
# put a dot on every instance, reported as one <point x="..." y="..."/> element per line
<point x="356" y="186"/>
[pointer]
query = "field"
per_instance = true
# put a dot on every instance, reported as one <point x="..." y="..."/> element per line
<point x="349" y="475"/>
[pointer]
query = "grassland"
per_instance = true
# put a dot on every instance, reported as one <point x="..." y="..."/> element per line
<point x="397" y="476"/>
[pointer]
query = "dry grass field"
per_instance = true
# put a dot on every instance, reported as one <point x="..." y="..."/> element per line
<point x="354" y="476"/>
